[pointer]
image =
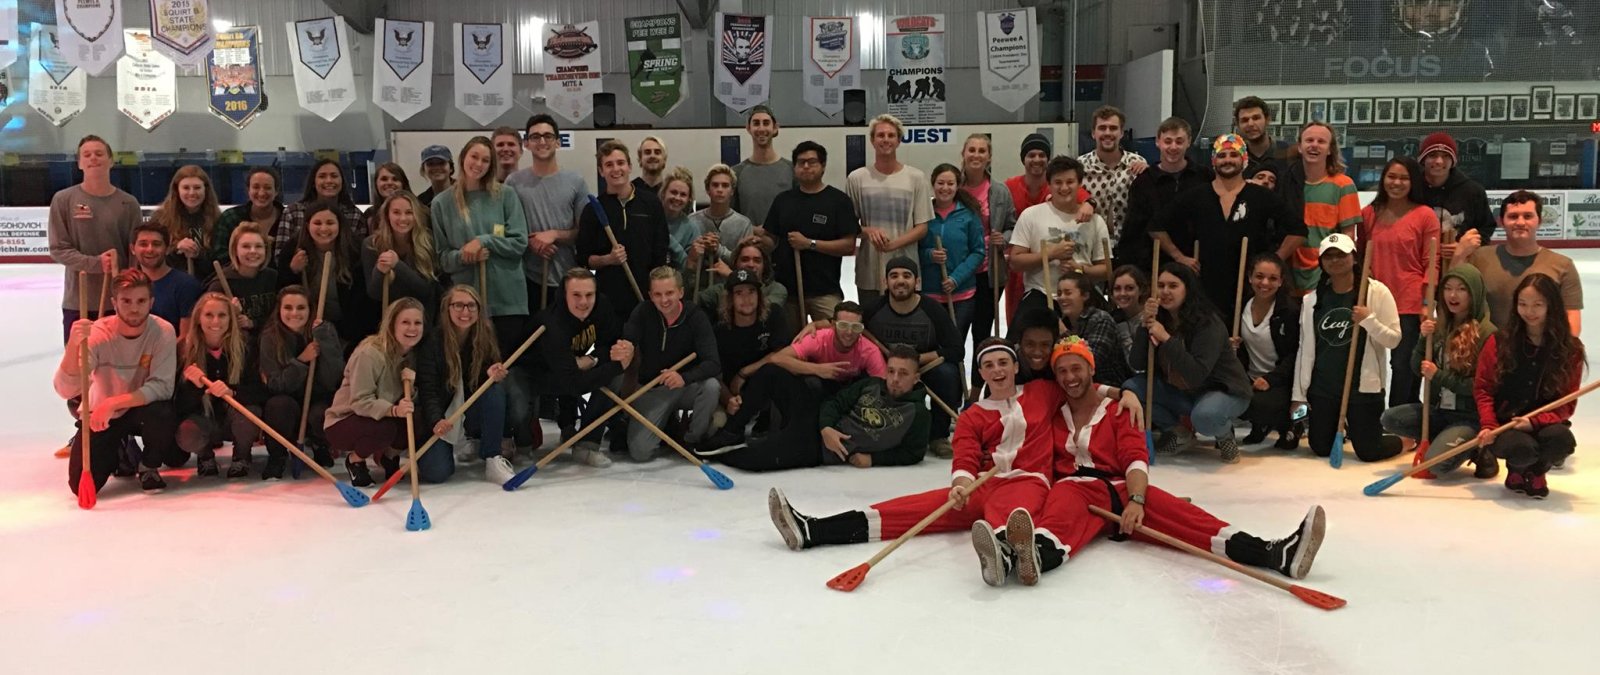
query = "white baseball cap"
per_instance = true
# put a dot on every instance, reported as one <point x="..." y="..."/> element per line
<point x="1336" y="241"/>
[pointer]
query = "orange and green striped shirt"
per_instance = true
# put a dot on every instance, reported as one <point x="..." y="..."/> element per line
<point x="1331" y="206"/>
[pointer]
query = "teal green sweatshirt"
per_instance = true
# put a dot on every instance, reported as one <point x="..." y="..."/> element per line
<point x="496" y="221"/>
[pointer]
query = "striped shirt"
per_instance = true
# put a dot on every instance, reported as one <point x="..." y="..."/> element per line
<point x="1331" y="205"/>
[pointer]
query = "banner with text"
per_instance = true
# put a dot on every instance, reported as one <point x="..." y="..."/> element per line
<point x="1008" y="57"/>
<point x="233" y="77"/>
<point x="914" y="46"/>
<point x="182" y="30"/>
<point x="56" y="89"/>
<point x="572" y="69"/>
<point x="742" y="77"/>
<point x="319" y="51"/>
<point x="91" y="38"/>
<point x="483" y="78"/>
<point x="402" y="67"/>
<point x="832" y="64"/>
<point x="147" y="81"/>
<point x="655" y="61"/>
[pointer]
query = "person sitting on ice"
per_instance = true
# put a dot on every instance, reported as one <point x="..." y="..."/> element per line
<point x="1100" y="460"/>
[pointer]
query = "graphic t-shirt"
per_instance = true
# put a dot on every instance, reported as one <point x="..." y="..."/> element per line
<point x="1332" y="324"/>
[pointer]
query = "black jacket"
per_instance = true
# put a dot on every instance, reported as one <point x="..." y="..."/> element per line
<point x="434" y="390"/>
<point x="567" y="337"/>
<point x="656" y="345"/>
<point x="640" y="225"/>
<point x="408" y="283"/>
<point x="1151" y="192"/>
<point x="1466" y="202"/>
<point x="188" y="399"/>
<point x="1284" y="325"/>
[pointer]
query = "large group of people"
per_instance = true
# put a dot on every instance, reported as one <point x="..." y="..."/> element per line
<point x="338" y="327"/>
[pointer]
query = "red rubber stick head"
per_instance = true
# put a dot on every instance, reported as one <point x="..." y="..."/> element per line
<point x="849" y="579"/>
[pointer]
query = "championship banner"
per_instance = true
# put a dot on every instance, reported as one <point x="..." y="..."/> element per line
<point x="483" y="79"/>
<point x="91" y="38"/>
<point x="1008" y="54"/>
<point x="402" y="67"/>
<point x="8" y="33"/>
<point x="147" y="81"/>
<point x="655" y="61"/>
<point x="319" y="50"/>
<point x="56" y="89"/>
<point x="915" y="49"/>
<point x="182" y="30"/>
<point x="572" y="69"/>
<point x="831" y="65"/>
<point x="233" y="78"/>
<point x="742" y="73"/>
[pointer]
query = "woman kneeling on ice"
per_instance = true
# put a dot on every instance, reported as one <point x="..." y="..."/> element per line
<point x="1100" y="460"/>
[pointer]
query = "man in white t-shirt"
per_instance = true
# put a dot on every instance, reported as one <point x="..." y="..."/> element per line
<point x="1083" y="248"/>
<point x="894" y="202"/>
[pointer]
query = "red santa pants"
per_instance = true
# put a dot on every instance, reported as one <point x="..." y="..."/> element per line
<point x="1066" y="519"/>
<point x="993" y="502"/>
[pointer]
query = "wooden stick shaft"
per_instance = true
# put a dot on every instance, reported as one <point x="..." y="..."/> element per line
<point x="311" y="368"/>
<point x="1432" y="306"/>
<point x="388" y="278"/>
<point x="930" y="518"/>
<point x="1150" y="351"/>
<point x="1191" y="549"/>
<point x="268" y="430"/>
<point x="626" y="269"/>
<point x="1495" y="433"/>
<point x="483" y="283"/>
<point x="1049" y="286"/>
<point x="996" y="280"/>
<point x="800" y="287"/>
<point x="1355" y="337"/>
<point x="411" y="444"/>
<point x="222" y="278"/>
<point x="105" y="285"/>
<point x="944" y="275"/>
<point x="1238" y="290"/>
<point x="641" y="419"/>
<point x="586" y="430"/>
<point x="83" y="371"/>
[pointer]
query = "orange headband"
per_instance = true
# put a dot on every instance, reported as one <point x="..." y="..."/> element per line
<point x="1072" y="345"/>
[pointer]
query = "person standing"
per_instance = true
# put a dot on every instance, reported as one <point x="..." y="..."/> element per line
<point x="639" y="224"/>
<point x="1109" y="170"/>
<point x="1026" y="190"/>
<point x="263" y="205"/>
<point x="507" y="146"/>
<point x="819" y="221"/>
<point x="439" y="168"/>
<point x="1459" y="202"/>
<point x="551" y="198"/>
<point x="1399" y="228"/>
<point x="1156" y="189"/>
<point x="998" y="215"/>
<point x="1252" y="119"/>
<point x="895" y="203"/>
<point x="759" y="179"/>
<point x="91" y="225"/>
<point x="389" y="181"/>
<point x="720" y="218"/>
<point x="1326" y="198"/>
<point x="677" y="199"/>
<point x="652" y="165"/>
<point x="953" y="250"/>
<point x="401" y="245"/>
<point x="1083" y="247"/>
<point x="190" y="215"/>
<point x="326" y="183"/>
<point x="352" y="312"/>
<point x="478" y="221"/>
<point x="1504" y="266"/>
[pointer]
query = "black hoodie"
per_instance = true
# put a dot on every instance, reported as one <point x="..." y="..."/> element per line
<point x="657" y="345"/>
<point x="567" y="337"/>
<point x="1465" y="202"/>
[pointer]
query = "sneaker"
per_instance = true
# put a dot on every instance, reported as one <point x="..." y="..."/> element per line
<point x="467" y="451"/>
<point x="206" y="467"/>
<point x="498" y="470"/>
<point x="390" y="464"/>
<point x="1175" y="441"/>
<point x="125" y="468"/>
<point x="1229" y="447"/>
<point x="1559" y="464"/>
<point x="1537" y="487"/>
<point x="1019" y="538"/>
<point x="150" y="481"/>
<point x="274" y="468"/>
<point x="791" y="525"/>
<point x="992" y="554"/>
<point x="1289" y="440"/>
<point x="726" y="438"/>
<point x="1257" y="434"/>
<point x="1516" y="481"/>
<point x="360" y="476"/>
<point x="1485" y="465"/>
<point x="1292" y="555"/>
<point x="590" y="456"/>
<point x="321" y="454"/>
<point x="64" y="451"/>
<point x="239" y="468"/>
<point x="941" y="449"/>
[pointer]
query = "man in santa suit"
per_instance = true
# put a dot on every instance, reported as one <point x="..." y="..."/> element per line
<point x="1100" y="460"/>
<point x="1010" y="428"/>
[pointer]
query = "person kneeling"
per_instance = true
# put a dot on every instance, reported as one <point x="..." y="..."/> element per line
<point x="452" y="363"/>
<point x="370" y="410"/>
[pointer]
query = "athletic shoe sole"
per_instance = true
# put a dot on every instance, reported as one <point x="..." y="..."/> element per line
<point x="783" y="519"/>
<point x="719" y="451"/>
<point x="990" y="563"/>
<point x="1019" y="534"/>
<point x="1312" y="530"/>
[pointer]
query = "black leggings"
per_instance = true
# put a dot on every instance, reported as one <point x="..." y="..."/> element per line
<point x="1363" y="425"/>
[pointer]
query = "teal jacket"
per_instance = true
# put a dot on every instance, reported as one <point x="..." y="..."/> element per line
<point x="962" y="236"/>
<point x="496" y="221"/>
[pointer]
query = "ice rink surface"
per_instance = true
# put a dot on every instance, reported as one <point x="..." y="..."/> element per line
<point x="648" y="569"/>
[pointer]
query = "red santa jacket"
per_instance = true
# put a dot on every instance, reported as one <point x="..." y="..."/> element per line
<point x="1110" y="443"/>
<point x="1487" y="382"/>
<point x="1016" y="433"/>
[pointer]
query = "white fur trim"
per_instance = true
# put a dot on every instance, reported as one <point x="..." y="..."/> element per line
<point x="1219" y="541"/>
<point x="874" y="525"/>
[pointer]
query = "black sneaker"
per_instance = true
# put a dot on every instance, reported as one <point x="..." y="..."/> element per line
<point x="125" y="468"/>
<point x="725" y="439"/>
<point x="274" y="468"/>
<point x="1538" y="488"/>
<point x="1292" y="555"/>
<point x="150" y="481"/>
<point x="321" y="454"/>
<point x="390" y="464"/>
<point x="1485" y="465"/>
<point x="357" y="468"/>
<point x="1289" y="440"/>
<point x="206" y="467"/>
<point x="794" y="527"/>
<point x="1257" y="434"/>
<point x="239" y="468"/>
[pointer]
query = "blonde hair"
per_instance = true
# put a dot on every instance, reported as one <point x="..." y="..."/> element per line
<point x="245" y="228"/>
<point x="1335" y="161"/>
<point x="681" y="174"/>
<point x="384" y="341"/>
<point x="488" y="181"/>
<point x="667" y="272"/>
<point x="485" y="348"/>
<point x="384" y="237"/>
<point x="657" y="141"/>
<point x="169" y="214"/>
<point x="192" y="349"/>
<point x="721" y="169"/>
<point x="886" y="118"/>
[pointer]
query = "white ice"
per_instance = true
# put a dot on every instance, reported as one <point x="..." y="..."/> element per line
<point x="648" y="569"/>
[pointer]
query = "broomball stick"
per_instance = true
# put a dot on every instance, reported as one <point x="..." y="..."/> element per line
<point x="417" y="518"/>
<point x="1238" y="288"/>
<point x="605" y="221"/>
<point x="850" y="579"/>
<point x="105" y="284"/>
<point x="800" y="285"/>
<point x="351" y="495"/>
<point x="1336" y="453"/>
<point x="1427" y="349"/>
<point x="1150" y="371"/>
<point x="216" y="267"/>
<point x="86" y="490"/>
<point x="388" y="278"/>
<point x="522" y="476"/>
<point x="1310" y="596"/>
<point x="1377" y="487"/>
<point x="483" y="282"/>
<point x="950" y="304"/>
<point x="311" y="368"/>
<point x="454" y="417"/>
<point x="1049" y="287"/>
<point x="721" y="481"/>
<point x="994" y="285"/>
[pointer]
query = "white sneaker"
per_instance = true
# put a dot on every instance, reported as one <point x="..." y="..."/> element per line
<point x="467" y="451"/>
<point x="591" y="457"/>
<point x="498" y="470"/>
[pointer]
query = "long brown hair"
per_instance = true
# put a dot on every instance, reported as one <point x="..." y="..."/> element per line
<point x="487" y="183"/>
<point x="384" y="341"/>
<point x="171" y="214"/>
<point x="419" y="253"/>
<point x="480" y="336"/>
<point x="961" y="197"/>
<point x="1563" y="354"/>
<point x="341" y="246"/>
<point x="288" y="339"/>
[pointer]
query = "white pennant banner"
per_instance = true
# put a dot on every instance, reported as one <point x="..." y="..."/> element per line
<point x="832" y="65"/>
<point x="91" y="33"/>
<point x="319" y="50"/>
<point x="572" y="69"/>
<point x="1008" y="56"/>
<point x="914" y="46"/>
<point x="483" y="76"/>
<point x="8" y="33"/>
<point x="182" y="30"/>
<point x="402" y="67"/>
<point x="55" y="88"/>
<point x="146" y="82"/>
<point x="743" y="77"/>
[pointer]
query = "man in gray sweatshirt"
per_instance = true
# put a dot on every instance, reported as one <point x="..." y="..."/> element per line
<point x="89" y="223"/>
<point x="133" y="359"/>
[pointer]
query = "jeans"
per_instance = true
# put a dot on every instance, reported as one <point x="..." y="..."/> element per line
<point x="1405" y="383"/>
<point x="485" y="419"/>
<point x="1448" y="428"/>
<point x="944" y="381"/>
<point x="700" y="398"/>
<point x="153" y="423"/>
<point x="1211" y="412"/>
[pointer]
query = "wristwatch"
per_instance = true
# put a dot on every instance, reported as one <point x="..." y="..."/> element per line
<point x="1137" y="499"/>
<point x="812" y="246"/>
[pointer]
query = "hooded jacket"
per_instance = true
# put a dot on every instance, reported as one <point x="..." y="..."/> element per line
<point x="893" y="429"/>
<point x="657" y="344"/>
<point x="566" y="337"/>
<point x="1449" y="378"/>
<point x="1464" y="202"/>
<point x="1152" y="191"/>
<point x="962" y="236"/>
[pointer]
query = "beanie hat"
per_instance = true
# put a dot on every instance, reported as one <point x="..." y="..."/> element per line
<point x="1439" y="141"/>
<point x="901" y="263"/>
<point x="1072" y="346"/>
<point x="1035" y="141"/>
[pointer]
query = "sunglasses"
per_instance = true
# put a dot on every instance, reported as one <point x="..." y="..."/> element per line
<point x="849" y="326"/>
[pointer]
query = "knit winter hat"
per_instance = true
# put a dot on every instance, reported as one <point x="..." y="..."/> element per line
<point x="1035" y="141"/>
<point x="1072" y="345"/>
<point x="1439" y="141"/>
<point x="901" y="263"/>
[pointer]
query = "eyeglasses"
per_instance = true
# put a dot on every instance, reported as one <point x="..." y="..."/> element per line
<point x="541" y="137"/>
<point x="464" y="306"/>
<point x="849" y="326"/>
<point x="809" y="161"/>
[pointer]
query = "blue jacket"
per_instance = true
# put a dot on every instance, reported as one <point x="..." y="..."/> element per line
<point x="962" y="236"/>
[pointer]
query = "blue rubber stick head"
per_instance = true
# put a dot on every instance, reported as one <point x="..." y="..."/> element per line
<point x="600" y="213"/>
<point x="352" y="496"/>
<point x="417" y="519"/>
<point x="1377" y="487"/>
<point x="717" y="478"/>
<point x="521" y="477"/>
<point x="1336" y="456"/>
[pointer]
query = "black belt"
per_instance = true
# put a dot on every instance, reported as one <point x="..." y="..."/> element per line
<point x="1116" y="500"/>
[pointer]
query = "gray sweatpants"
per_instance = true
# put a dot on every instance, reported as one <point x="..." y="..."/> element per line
<point x="699" y="398"/>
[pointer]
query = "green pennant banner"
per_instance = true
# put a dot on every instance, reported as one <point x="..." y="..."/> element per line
<point x="655" y="61"/>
